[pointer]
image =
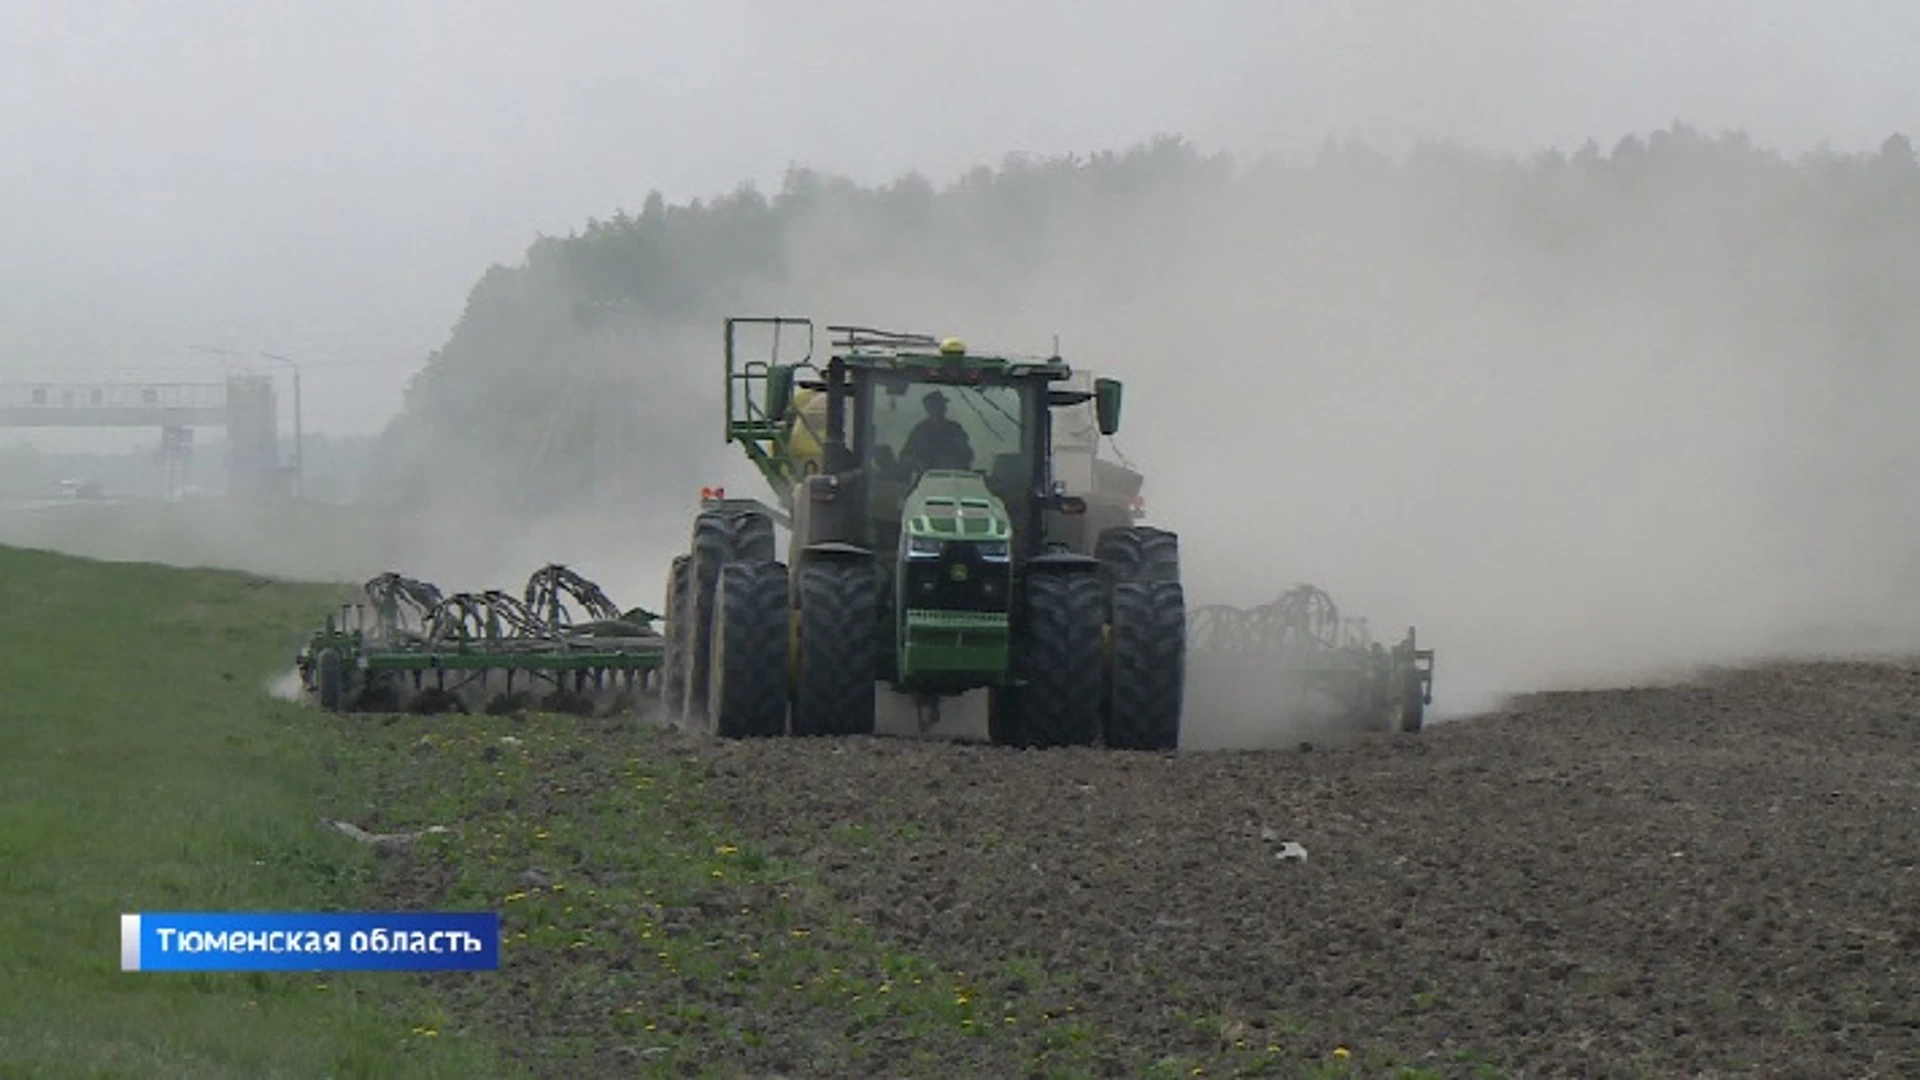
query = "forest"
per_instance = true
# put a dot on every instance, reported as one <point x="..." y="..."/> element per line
<point x="1690" y="332"/>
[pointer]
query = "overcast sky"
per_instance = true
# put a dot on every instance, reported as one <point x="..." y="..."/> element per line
<point x="327" y="178"/>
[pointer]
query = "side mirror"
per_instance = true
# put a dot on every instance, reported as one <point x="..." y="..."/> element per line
<point x="779" y="391"/>
<point x="1106" y="404"/>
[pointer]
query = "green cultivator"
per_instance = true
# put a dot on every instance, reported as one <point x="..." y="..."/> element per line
<point x="561" y="646"/>
<point x="1297" y="661"/>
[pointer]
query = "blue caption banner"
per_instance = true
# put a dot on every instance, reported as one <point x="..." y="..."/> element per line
<point x="310" y="941"/>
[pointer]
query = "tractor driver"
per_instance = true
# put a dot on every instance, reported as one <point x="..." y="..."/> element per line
<point x="937" y="442"/>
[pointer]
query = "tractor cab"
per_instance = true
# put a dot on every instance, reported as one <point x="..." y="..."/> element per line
<point x="868" y="430"/>
<point x="979" y="441"/>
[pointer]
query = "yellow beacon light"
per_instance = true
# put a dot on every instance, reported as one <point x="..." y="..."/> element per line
<point x="953" y="346"/>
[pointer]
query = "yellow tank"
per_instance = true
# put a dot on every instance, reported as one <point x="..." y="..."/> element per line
<point x="807" y="420"/>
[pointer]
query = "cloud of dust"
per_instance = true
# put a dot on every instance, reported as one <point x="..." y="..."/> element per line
<point x="1567" y="462"/>
<point x="284" y="686"/>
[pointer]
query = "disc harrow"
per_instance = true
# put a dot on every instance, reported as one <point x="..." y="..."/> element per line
<point x="1298" y="659"/>
<point x="560" y="646"/>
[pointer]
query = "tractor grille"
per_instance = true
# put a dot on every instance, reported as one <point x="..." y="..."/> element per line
<point x="958" y="580"/>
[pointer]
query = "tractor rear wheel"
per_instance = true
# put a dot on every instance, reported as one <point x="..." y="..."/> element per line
<point x="1147" y="682"/>
<point x="719" y="537"/>
<point x="1055" y="697"/>
<point x="839" y="649"/>
<point x="673" y="665"/>
<point x="1138" y="553"/>
<point x="747" y="691"/>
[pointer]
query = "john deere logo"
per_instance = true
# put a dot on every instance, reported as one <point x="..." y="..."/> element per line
<point x="958" y="571"/>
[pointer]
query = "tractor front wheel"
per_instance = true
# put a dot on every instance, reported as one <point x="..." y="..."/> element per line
<point x="1147" y="680"/>
<point x="839" y="649"/>
<point x="1055" y="697"/>
<point x="331" y="679"/>
<point x="1413" y="707"/>
<point x="747" y="689"/>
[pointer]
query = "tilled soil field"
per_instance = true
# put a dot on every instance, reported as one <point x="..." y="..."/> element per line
<point x="1715" y="879"/>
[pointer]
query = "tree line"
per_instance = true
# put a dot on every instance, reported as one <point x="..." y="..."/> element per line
<point x="590" y="371"/>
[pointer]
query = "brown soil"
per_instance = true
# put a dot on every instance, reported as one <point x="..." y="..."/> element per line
<point x="1724" y="876"/>
<point x="1713" y="879"/>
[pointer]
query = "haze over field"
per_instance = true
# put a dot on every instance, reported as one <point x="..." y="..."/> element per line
<point x="1587" y="415"/>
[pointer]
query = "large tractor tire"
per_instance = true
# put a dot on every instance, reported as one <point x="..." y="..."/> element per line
<point x="1055" y="696"/>
<point x="1411" y="701"/>
<point x="747" y="687"/>
<point x="1138" y="553"/>
<point x="839" y="649"/>
<point x="719" y="537"/>
<point x="673" y="665"/>
<point x="1147" y="680"/>
<point x="330" y="679"/>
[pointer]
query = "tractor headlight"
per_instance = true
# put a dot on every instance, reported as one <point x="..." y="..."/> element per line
<point x="994" y="550"/>
<point x="924" y="547"/>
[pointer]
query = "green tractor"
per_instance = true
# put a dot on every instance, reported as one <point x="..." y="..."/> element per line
<point x="933" y="551"/>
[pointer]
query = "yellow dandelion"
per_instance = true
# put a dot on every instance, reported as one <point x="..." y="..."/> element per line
<point x="727" y="849"/>
<point x="1342" y="1052"/>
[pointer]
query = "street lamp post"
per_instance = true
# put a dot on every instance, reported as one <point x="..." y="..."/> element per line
<point x="299" y="439"/>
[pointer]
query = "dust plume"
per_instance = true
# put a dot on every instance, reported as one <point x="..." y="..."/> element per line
<point x="1580" y="421"/>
